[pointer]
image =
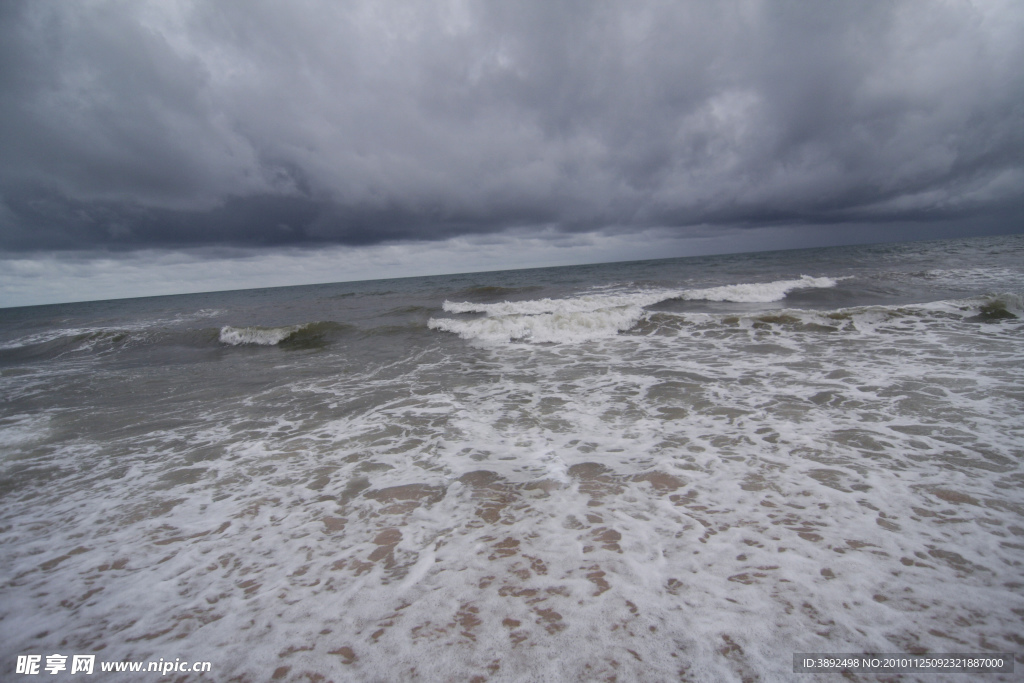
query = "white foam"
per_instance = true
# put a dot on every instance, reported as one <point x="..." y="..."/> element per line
<point x="261" y="336"/>
<point x="583" y="303"/>
<point x="53" y="335"/>
<point x="758" y="292"/>
<point x="91" y="334"/>
<point x="560" y="327"/>
<point x="716" y="497"/>
<point x="22" y="430"/>
<point x="591" y="315"/>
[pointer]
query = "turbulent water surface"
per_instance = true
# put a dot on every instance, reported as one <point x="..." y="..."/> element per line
<point x="681" y="469"/>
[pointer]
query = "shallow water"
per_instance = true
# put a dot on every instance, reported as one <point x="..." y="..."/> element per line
<point x="689" y="468"/>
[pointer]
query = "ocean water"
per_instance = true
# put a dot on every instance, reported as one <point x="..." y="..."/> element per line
<point x="685" y="469"/>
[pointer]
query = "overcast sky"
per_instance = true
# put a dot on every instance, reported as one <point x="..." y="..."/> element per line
<point x="168" y="146"/>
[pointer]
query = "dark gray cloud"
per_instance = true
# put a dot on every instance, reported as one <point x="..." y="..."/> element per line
<point x="143" y="124"/>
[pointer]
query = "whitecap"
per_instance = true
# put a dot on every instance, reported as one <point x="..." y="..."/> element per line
<point x="595" y="315"/>
<point x="758" y="292"/>
<point x="262" y="336"/>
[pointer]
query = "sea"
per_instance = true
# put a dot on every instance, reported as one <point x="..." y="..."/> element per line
<point x="682" y="469"/>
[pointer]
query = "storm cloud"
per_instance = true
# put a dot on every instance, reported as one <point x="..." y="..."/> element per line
<point x="135" y="125"/>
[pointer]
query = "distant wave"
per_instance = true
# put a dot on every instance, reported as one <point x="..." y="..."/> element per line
<point x="758" y="292"/>
<point x="593" y="316"/>
<point x="974" y="276"/>
<point x="600" y="316"/>
<point x="916" y="320"/>
<point x="86" y="338"/>
<point x="52" y="344"/>
<point x="494" y="291"/>
<point x="576" y="327"/>
<point x="55" y="343"/>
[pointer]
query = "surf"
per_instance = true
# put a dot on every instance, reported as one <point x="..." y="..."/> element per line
<point x="591" y="315"/>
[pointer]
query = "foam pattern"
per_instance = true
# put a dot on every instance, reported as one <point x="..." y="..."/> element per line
<point x="646" y="496"/>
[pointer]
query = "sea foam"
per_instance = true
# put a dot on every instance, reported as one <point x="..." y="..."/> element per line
<point x="261" y="336"/>
<point x="695" y="493"/>
<point x="758" y="292"/>
<point x="596" y="315"/>
<point x="553" y="327"/>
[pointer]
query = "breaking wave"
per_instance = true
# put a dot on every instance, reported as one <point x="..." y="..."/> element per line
<point x="595" y="315"/>
<point x="600" y="316"/>
<point x="262" y="336"/>
<point x="555" y="327"/>
<point x="758" y="292"/>
<point x="305" y="335"/>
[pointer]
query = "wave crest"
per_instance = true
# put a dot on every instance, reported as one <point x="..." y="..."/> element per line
<point x="305" y="335"/>
<point x="758" y="292"/>
<point x="595" y="315"/>
<point x="262" y="336"/>
<point x="560" y="327"/>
